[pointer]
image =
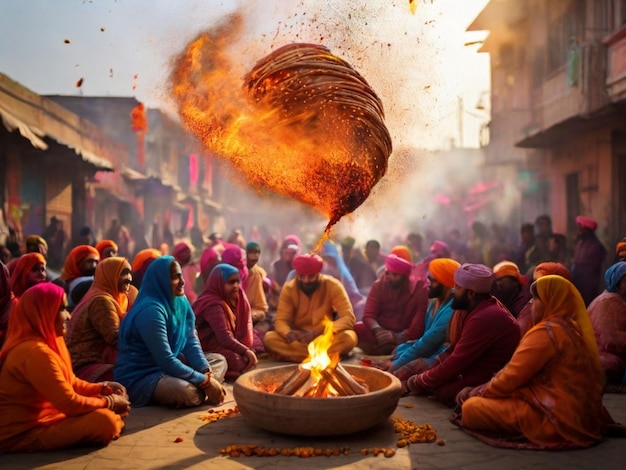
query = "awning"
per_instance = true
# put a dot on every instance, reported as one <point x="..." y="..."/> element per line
<point x="133" y="175"/>
<point x="37" y="117"/>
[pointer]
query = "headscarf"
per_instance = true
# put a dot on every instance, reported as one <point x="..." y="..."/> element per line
<point x="586" y="222"/>
<point x="103" y="244"/>
<point x="236" y="256"/>
<point x="307" y="264"/>
<point x="402" y="251"/>
<point x="70" y="268"/>
<point x="141" y="262"/>
<point x="156" y="294"/>
<point x="476" y="277"/>
<point x="208" y="261"/>
<point x="613" y="275"/>
<point x="238" y="317"/>
<point x="398" y="265"/>
<point x="345" y="276"/>
<point x="443" y="269"/>
<point x="35" y="241"/>
<point x="508" y="268"/>
<point x="105" y="284"/>
<point x="292" y="240"/>
<point x="23" y="267"/>
<point x="562" y="300"/>
<point x="182" y="253"/>
<point x="6" y="294"/>
<point x="34" y="319"/>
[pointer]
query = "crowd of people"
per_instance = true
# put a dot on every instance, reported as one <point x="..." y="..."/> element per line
<point x="519" y="340"/>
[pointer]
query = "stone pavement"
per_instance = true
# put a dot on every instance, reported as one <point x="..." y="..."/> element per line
<point x="149" y="442"/>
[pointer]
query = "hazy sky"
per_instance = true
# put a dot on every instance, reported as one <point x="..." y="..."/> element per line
<point x="418" y="64"/>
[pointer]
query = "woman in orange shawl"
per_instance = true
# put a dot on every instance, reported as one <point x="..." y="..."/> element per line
<point x="550" y="392"/>
<point x="30" y="269"/>
<point x="95" y="323"/>
<point x="43" y="405"/>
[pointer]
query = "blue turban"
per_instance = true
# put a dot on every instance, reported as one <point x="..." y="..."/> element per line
<point x="613" y="275"/>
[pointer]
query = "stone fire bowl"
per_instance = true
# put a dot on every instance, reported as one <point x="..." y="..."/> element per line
<point x="316" y="416"/>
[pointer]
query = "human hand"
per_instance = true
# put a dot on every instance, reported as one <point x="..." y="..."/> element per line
<point x="214" y="391"/>
<point x="463" y="395"/>
<point x="118" y="403"/>
<point x="307" y="336"/>
<point x="252" y="360"/>
<point x="291" y="337"/>
<point x="384" y="336"/>
<point x="415" y="385"/>
<point x="387" y="366"/>
<point x="110" y="387"/>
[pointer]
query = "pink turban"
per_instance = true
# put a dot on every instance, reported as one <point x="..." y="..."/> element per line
<point x="307" y="264"/>
<point x="586" y="222"/>
<point x="439" y="248"/>
<point x="395" y="264"/>
<point x="182" y="253"/>
<point x="476" y="277"/>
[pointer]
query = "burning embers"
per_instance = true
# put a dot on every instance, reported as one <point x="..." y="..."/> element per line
<point x="320" y="376"/>
<point x="305" y="124"/>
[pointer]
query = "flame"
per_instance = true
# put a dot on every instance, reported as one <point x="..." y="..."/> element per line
<point x="302" y="123"/>
<point x="319" y="359"/>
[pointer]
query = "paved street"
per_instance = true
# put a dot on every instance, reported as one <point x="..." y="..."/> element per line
<point x="148" y="442"/>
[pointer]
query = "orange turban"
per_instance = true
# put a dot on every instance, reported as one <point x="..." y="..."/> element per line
<point x="442" y="269"/>
<point x="70" y="268"/>
<point x="547" y="268"/>
<point x="143" y="256"/>
<point x="403" y="252"/>
<point x="620" y="248"/>
<point x="508" y="268"/>
<point x="103" y="244"/>
<point x="307" y="264"/>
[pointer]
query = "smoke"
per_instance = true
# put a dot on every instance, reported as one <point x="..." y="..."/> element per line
<point x="413" y="63"/>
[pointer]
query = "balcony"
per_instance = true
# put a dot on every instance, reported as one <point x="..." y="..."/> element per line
<point x="616" y="66"/>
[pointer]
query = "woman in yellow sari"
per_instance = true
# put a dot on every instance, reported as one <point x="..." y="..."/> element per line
<point x="549" y="396"/>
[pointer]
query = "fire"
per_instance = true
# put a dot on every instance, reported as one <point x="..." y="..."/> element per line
<point x="302" y="123"/>
<point x="319" y="359"/>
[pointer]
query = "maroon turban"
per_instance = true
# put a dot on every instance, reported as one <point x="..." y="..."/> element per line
<point x="395" y="264"/>
<point x="476" y="277"/>
<point x="586" y="222"/>
<point x="307" y="264"/>
<point x="182" y="253"/>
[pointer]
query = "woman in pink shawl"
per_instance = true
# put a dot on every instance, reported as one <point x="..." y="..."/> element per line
<point x="224" y="320"/>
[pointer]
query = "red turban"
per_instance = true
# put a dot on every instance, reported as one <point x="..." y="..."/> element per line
<point x="395" y="264"/>
<point x="182" y="253"/>
<point x="549" y="267"/>
<point x="307" y="264"/>
<point x="476" y="277"/>
<point x="586" y="222"/>
<point x="442" y="269"/>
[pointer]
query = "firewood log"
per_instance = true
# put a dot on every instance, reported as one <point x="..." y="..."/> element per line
<point x="329" y="374"/>
<point x="294" y="382"/>
<point x="346" y="379"/>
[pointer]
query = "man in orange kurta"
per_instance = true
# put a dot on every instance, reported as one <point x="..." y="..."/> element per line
<point x="306" y="303"/>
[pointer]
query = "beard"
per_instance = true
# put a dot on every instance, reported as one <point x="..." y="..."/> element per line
<point x="309" y="287"/>
<point x="435" y="292"/>
<point x="460" y="304"/>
